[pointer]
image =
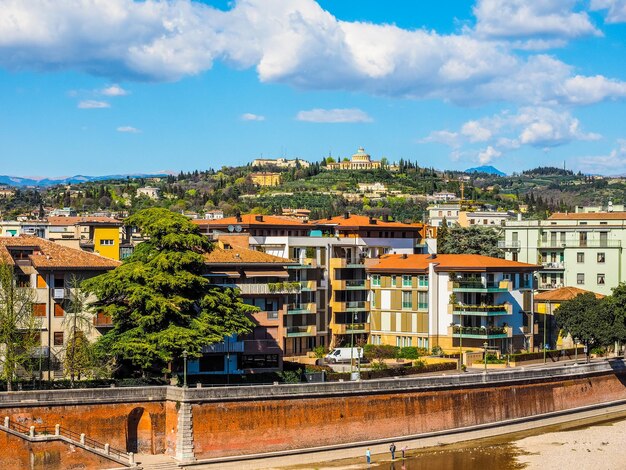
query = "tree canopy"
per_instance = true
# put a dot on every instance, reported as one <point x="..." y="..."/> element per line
<point x="158" y="299"/>
<point x="472" y="240"/>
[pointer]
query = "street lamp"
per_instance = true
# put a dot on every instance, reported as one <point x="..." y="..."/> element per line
<point x="545" y="316"/>
<point x="485" y="344"/>
<point x="460" y="342"/>
<point x="352" y="345"/>
<point x="576" y="340"/>
<point x="185" y="368"/>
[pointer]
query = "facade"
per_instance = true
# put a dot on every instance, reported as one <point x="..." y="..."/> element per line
<point x="149" y="191"/>
<point x="338" y="247"/>
<point x="545" y="303"/>
<point x="437" y="213"/>
<point x="282" y="290"/>
<point x="450" y="301"/>
<point x="484" y="218"/>
<point x="100" y="235"/>
<point x="214" y="215"/>
<point x="265" y="178"/>
<point x="49" y="269"/>
<point x="359" y="161"/>
<point x="574" y="249"/>
<point x="281" y="162"/>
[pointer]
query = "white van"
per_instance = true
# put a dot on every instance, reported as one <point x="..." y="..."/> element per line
<point x="344" y="355"/>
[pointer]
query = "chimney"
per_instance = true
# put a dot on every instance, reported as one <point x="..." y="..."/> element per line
<point x="372" y="221"/>
<point x="258" y="218"/>
<point x="385" y="218"/>
<point x="405" y="256"/>
<point x="238" y="217"/>
<point x="346" y="215"/>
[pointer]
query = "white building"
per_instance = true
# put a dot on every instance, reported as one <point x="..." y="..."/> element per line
<point x="148" y="191"/>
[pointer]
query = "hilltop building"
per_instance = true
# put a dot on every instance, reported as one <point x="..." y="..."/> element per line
<point x="359" y="161"/>
<point x="583" y="249"/>
<point x="281" y="163"/>
<point x="265" y="178"/>
<point x="149" y="191"/>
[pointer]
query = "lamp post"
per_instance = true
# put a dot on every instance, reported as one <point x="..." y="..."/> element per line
<point x="461" y="343"/>
<point x="545" y="316"/>
<point x="185" y="368"/>
<point x="352" y="345"/>
<point x="485" y="344"/>
<point x="576" y="340"/>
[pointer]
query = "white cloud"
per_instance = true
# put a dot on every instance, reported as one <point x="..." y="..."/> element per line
<point x="546" y="127"/>
<point x="612" y="163"/>
<point x="616" y="9"/>
<point x="93" y="104"/>
<point x="252" y="117"/>
<point x="128" y="129"/>
<point x="488" y="154"/>
<point x="114" y="90"/>
<point x="475" y="132"/>
<point x="334" y="115"/>
<point x="588" y="90"/>
<point x="448" y="138"/>
<point x="531" y="18"/>
<point x="300" y="44"/>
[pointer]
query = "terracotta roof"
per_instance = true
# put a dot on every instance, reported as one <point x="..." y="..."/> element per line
<point x="364" y="221"/>
<point x="419" y="263"/>
<point x="60" y="221"/>
<point x="564" y="293"/>
<point x="590" y="216"/>
<point x="243" y="256"/>
<point x="250" y="219"/>
<point x="49" y="255"/>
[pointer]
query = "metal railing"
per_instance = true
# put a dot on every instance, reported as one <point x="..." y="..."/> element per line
<point x="510" y="244"/>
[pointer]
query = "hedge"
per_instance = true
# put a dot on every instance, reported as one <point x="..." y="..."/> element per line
<point x="552" y="354"/>
<point x="386" y="351"/>
<point x="393" y="372"/>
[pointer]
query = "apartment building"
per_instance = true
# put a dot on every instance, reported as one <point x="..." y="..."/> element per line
<point x="339" y="248"/>
<point x="574" y="249"/>
<point x="49" y="268"/>
<point x="284" y="291"/>
<point x="451" y="301"/>
<point x="100" y="235"/>
<point x="439" y="212"/>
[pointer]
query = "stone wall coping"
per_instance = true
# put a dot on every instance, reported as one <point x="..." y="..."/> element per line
<point x="263" y="392"/>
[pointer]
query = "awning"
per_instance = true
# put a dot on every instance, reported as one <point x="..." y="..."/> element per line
<point x="231" y="274"/>
<point x="283" y="273"/>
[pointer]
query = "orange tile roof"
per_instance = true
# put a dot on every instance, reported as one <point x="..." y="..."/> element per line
<point x="250" y="219"/>
<point x="51" y="255"/>
<point x="564" y="293"/>
<point x="419" y="263"/>
<point x="60" y="221"/>
<point x="243" y="256"/>
<point x="364" y="221"/>
<point x="590" y="216"/>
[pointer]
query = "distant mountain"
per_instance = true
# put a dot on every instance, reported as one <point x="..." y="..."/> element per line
<point x="43" y="182"/>
<point x="486" y="169"/>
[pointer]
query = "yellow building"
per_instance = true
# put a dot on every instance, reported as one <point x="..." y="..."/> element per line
<point x="265" y="178"/>
<point x="99" y="235"/>
<point x="359" y="161"/>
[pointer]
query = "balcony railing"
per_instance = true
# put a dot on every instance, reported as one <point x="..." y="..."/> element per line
<point x="478" y="285"/>
<point x="298" y="309"/>
<point x="232" y="346"/>
<point x="509" y="244"/>
<point x="550" y="265"/>
<point x="267" y="288"/>
<point x="579" y="243"/>
<point x="350" y="284"/>
<point x="481" y="310"/>
<point x="356" y="284"/>
<point x="549" y="285"/>
<point x="295" y="331"/>
<point x="308" y="286"/>
<point x="480" y="332"/>
<point x="350" y="328"/>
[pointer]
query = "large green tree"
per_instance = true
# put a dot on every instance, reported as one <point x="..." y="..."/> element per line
<point x="472" y="240"/>
<point x="158" y="299"/>
<point x="587" y="318"/>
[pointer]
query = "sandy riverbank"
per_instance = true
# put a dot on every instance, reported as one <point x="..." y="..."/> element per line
<point x="599" y="447"/>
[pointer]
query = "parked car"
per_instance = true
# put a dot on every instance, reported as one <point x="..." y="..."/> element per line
<point x="344" y="355"/>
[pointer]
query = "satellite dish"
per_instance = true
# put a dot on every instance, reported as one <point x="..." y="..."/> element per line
<point x="231" y="228"/>
<point x="237" y="228"/>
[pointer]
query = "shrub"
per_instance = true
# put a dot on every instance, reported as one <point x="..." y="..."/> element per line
<point x="437" y="351"/>
<point x="411" y="352"/>
<point x="291" y="377"/>
<point x="320" y="351"/>
<point x="379" y="365"/>
<point x="380" y="351"/>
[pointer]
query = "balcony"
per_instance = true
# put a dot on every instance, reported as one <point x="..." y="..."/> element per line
<point x="352" y="306"/>
<point x="480" y="332"/>
<point x="308" y="286"/>
<point x="352" y="284"/>
<point x="298" y="331"/>
<point x="510" y="245"/>
<point x="549" y="285"/>
<point x="352" y="263"/>
<point x="481" y="310"/>
<point x="227" y="347"/>
<point x="350" y="328"/>
<point x="553" y="266"/>
<point x="300" y="309"/>
<point x="579" y="244"/>
<point x="479" y="286"/>
<point x="267" y="288"/>
<point x="100" y="320"/>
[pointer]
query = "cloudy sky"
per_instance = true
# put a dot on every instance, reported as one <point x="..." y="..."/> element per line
<point x="122" y="86"/>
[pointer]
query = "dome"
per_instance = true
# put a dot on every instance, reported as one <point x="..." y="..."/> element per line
<point x="360" y="156"/>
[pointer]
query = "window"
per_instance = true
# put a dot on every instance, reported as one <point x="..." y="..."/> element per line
<point x="580" y="278"/>
<point x="601" y="257"/>
<point x="39" y="310"/>
<point x="376" y="280"/>
<point x="600" y="279"/>
<point x="375" y="339"/>
<point x="407" y="302"/>
<point x="580" y="257"/>
<point x="211" y="363"/>
<point x="422" y="300"/>
<point x="259" y="361"/>
<point x="58" y="338"/>
<point x="393" y="281"/>
<point x="373" y="297"/>
<point x="106" y="242"/>
<point x="422" y="281"/>
<point x="58" y="310"/>
<point x="406" y="280"/>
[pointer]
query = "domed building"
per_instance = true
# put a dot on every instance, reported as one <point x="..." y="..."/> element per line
<point x="359" y="161"/>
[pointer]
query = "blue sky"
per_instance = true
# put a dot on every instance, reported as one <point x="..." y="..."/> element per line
<point x="120" y="86"/>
